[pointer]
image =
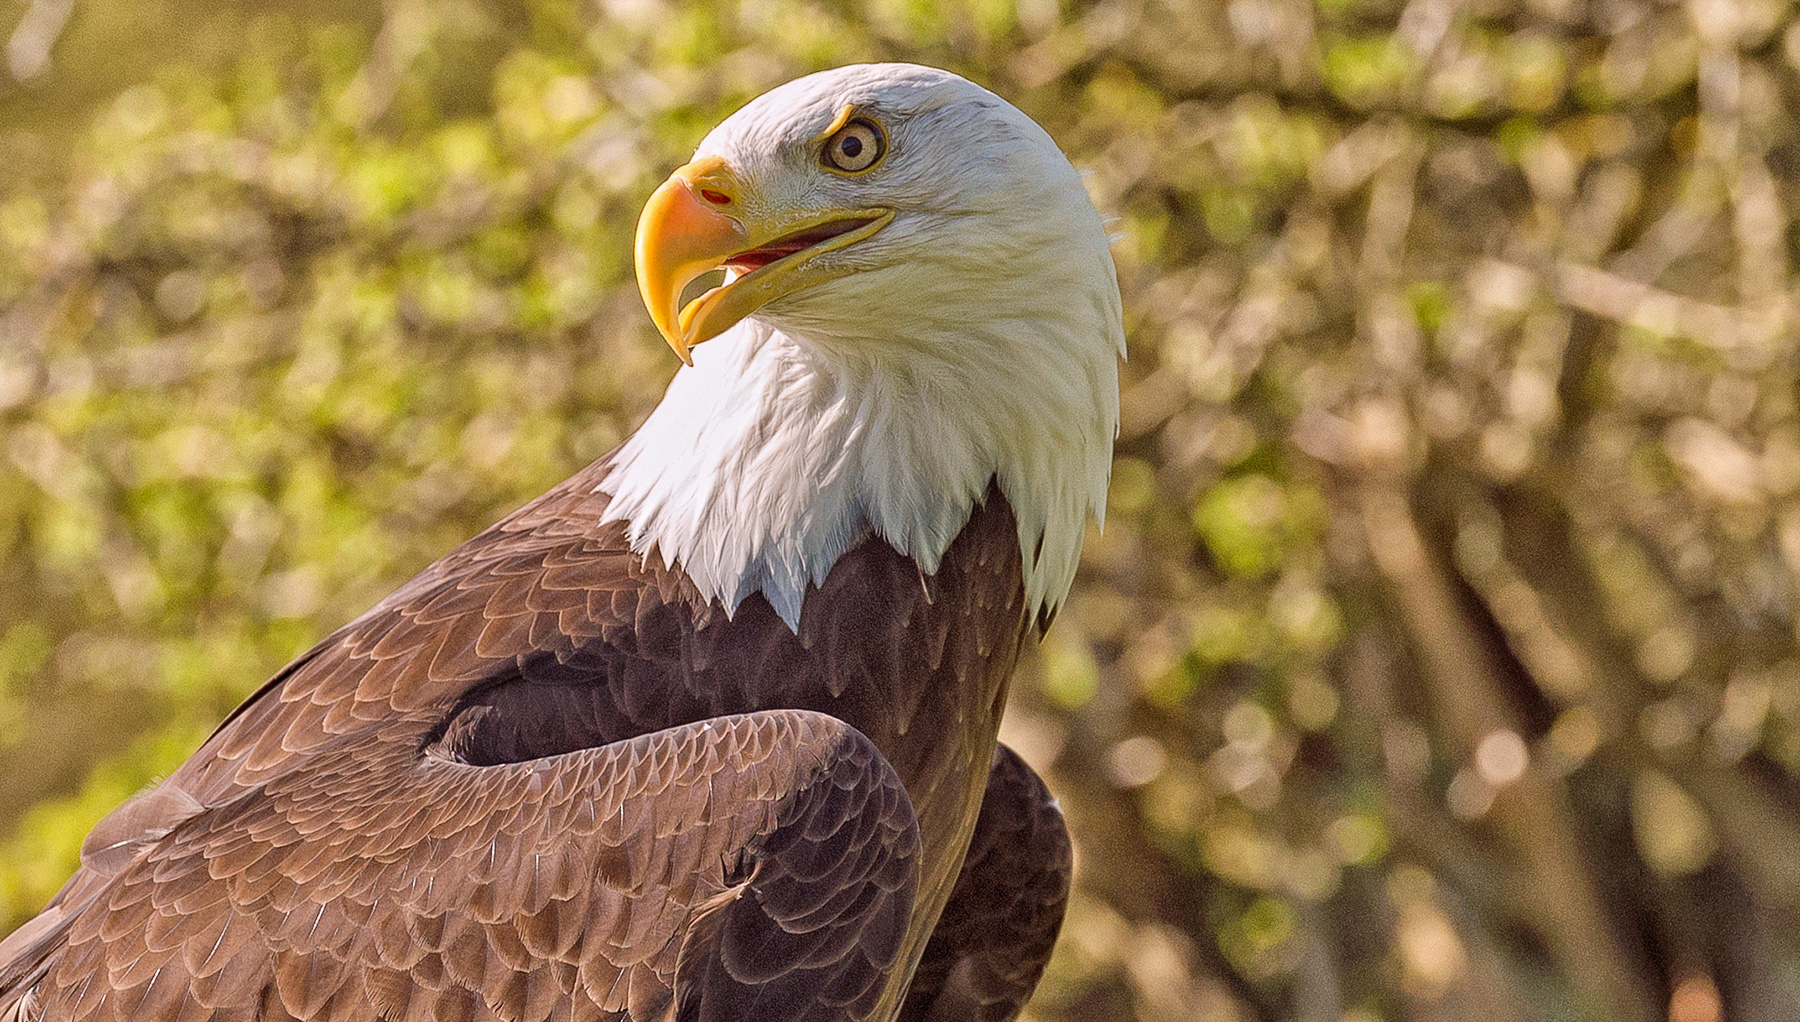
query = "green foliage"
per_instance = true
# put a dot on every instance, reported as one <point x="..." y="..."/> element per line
<point x="1442" y="631"/>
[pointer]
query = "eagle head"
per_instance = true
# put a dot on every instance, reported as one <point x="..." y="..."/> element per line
<point x="873" y="202"/>
<point x="919" y="300"/>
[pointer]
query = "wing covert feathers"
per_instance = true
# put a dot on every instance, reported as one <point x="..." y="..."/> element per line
<point x="768" y="858"/>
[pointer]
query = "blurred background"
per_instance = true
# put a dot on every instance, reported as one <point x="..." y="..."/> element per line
<point x="1439" y="658"/>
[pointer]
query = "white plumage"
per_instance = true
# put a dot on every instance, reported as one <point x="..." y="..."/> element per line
<point x="979" y="339"/>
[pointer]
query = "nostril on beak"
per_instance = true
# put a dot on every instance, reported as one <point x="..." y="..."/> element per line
<point x="716" y="198"/>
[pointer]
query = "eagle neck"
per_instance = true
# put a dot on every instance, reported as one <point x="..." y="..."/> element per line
<point x="771" y="457"/>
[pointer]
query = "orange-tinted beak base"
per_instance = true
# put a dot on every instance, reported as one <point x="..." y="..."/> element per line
<point x="684" y="232"/>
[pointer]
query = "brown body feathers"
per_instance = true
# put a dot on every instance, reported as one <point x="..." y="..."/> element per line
<point x="544" y="780"/>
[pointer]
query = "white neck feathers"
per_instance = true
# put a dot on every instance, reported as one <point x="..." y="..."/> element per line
<point x="771" y="457"/>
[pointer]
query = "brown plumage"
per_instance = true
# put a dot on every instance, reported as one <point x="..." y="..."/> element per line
<point x="543" y="780"/>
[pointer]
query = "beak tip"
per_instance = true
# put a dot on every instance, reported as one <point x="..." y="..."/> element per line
<point x="680" y="237"/>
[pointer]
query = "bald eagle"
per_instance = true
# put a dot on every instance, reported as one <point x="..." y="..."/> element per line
<point x="708" y="731"/>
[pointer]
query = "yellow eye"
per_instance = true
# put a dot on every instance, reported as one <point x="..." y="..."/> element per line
<point x="855" y="147"/>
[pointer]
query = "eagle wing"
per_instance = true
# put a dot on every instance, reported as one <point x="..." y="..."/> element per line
<point x="999" y="927"/>
<point x="766" y="857"/>
<point x="369" y="837"/>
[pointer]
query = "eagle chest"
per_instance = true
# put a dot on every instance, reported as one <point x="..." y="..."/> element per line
<point x="918" y="662"/>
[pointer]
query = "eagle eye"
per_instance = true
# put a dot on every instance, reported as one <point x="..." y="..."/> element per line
<point x="855" y="147"/>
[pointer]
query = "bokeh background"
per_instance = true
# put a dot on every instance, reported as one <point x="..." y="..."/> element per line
<point x="1439" y="658"/>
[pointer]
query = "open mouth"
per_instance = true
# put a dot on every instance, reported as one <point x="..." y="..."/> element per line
<point x="795" y="243"/>
<point x="759" y="275"/>
<point x="768" y="253"/>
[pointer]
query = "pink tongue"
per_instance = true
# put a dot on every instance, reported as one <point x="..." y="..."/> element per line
<point x="744" y="262"/>
<point x="747" y="261"/>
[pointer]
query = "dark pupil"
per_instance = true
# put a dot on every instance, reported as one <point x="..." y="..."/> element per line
<point x="852" y="146"/>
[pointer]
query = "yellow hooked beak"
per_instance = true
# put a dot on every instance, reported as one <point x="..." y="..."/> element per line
<point x="697" y="221"/>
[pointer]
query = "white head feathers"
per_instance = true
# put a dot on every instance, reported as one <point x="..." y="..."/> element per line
<point x="978" y="339"/>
